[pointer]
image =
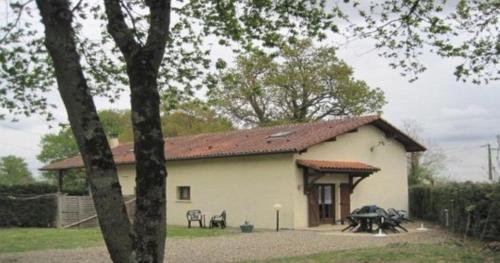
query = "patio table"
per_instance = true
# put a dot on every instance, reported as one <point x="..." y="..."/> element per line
<point x="366" y="221"/>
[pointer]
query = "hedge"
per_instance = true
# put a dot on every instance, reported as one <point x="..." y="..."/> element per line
<point x="33" y="205"/>
<point x="37" y="188"/>
<point x="475" y="203"/>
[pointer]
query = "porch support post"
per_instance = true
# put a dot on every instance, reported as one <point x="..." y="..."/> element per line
<point x="59" y="196"/>
<point x="306" y="179"/>
<point x="350" y="184"/>
<point x="60" y="179"/>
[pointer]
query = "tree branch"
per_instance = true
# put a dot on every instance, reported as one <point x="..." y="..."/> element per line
<point x="406" y="16"/>
<point x="132" y="19"/>
<point x="76" y="6"/>
<point x="119" y="30"/>
<point x="18" y="18"/>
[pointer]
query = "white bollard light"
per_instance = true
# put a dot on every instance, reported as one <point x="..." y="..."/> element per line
<point x="422" y="227"/>
<point x="380" y="233"/>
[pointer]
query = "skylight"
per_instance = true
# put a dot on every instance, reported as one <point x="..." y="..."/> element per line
<point x="281" y="134"/>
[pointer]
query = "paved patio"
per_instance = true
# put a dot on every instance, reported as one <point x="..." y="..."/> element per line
<point x="240" y="247"/>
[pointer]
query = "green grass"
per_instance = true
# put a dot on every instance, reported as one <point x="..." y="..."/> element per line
<point x="446" y="252"/>
<point x="27" y="239"/>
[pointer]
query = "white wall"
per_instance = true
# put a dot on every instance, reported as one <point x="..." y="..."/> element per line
<point x="246" y="187"/>
<point x="126" y="175"/>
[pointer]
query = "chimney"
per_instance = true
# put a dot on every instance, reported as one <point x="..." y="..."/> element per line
<point x="113" y="141"/>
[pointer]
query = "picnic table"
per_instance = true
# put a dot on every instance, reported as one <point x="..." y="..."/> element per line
<point x="366" y="221"/>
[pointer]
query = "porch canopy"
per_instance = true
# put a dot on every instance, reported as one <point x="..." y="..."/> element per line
<point x="315" y="169"/>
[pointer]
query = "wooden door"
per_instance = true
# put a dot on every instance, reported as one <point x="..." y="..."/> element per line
<point x="345" y="200"/>
<point x="312" y="203"/>
<point x="326" y="203"/>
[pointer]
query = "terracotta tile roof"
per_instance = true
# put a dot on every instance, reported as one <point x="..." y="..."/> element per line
<point x="338" y="166"/>
<point x="276" y="139"/>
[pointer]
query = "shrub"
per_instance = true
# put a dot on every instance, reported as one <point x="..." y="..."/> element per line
<point x="37" y="188"/>
<point x="76" y="191"/>
<point x="33" y="205"/>
<point x="480" y="201"/>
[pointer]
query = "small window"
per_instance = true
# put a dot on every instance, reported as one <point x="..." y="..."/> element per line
<point x="183" y="193"/>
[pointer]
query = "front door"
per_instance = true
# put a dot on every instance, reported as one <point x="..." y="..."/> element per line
<point x="326" y="203"/>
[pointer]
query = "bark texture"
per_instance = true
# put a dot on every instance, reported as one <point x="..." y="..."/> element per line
<point x="150" y="216"/>
<point x="143" y="62"/>
<point x="99" y="165"/>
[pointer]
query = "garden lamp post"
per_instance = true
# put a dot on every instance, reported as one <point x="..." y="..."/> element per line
<point x="277" y="207"/>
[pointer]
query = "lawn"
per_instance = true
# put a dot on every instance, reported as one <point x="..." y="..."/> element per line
<point x="26" y="239"/>
<point x="446" y="252"/>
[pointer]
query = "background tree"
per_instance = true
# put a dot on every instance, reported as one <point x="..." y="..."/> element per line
<point x="192" y="118"/>
<point x="129" y="52"/>
<point x="424" y="167"/>
<point x="14" y="170"/>
<point x="57" y="146"/>
<point x="301" y="83"/>
<point x="117" y="123"/>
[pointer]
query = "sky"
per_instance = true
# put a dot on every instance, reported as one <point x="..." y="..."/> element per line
<point x="458" y="118"/>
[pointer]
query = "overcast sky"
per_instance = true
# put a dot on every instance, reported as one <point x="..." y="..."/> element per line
<point x="457" y="117"/>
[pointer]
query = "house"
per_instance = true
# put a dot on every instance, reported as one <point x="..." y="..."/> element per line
<point x="317" y="171"/>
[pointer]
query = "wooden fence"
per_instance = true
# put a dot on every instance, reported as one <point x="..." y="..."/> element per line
<point x="79" y="211"/>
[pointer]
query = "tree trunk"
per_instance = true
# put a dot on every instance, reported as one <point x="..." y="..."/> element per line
<point x="99" y="165"/>
<point x="143" y="62"/>
<point x="150" y="221"/>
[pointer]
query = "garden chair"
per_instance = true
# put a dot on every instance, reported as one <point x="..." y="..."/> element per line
<point x="399" y="214"/>
<point x="353" y="223"/>
<point x="218" y="220"/>
<point x="397" y="217"/>
<point x="386" y="222"/>
<point x="194" y="215"/>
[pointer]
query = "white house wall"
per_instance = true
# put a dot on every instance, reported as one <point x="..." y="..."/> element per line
<point x="246" y="187"/>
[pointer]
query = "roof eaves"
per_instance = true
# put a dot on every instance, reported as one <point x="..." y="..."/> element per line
<point x="418" y="147"/>
<point x="322" y="168"/>
<point x="349" y="170"/>
<point x="225" y="155"/>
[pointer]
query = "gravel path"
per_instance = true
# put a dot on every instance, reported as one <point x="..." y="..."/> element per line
<point x="255" y="246"/>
